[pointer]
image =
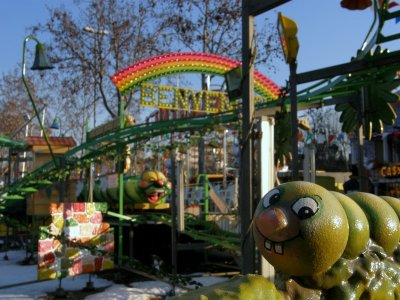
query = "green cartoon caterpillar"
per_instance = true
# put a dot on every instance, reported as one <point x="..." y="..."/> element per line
<point x="346" y="247"/>
<point x="325" y="245"/>
<point x="151" y="188"/>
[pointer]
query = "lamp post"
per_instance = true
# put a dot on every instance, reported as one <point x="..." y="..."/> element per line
<point x="287" y="29"/>
<point x="96" y="33"/>
<point x="27" y="120"/>
<point x="41" y="63"/>
<point x="246" y="191"/>
<point x="57" y="125"/>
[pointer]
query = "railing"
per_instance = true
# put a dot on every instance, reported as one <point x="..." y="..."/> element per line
<point x="213" y="202"/>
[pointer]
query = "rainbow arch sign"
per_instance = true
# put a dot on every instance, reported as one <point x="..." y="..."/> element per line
<point x="152" y="68"/>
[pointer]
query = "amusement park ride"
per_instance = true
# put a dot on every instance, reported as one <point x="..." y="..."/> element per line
<point x="91" y="196"/>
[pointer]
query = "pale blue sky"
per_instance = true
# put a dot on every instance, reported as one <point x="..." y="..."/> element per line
<point x="15" y="17"/>
<point x="328" y="34"/>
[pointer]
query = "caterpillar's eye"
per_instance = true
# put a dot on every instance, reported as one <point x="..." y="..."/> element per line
<point x="271" y="197"/>
<point x="305" y="207"/>
<point x="144" y="184"/>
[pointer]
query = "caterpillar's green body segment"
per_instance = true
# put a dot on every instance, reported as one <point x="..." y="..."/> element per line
<point x="358" y="227"/>
<point x="394" y="203"/>
<point x="383" y="220"/>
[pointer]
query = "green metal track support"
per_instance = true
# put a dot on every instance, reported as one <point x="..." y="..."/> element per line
<point x="113" y="141"/>
<point x="8" y="142"/>
<point x="202" y="183"/>
<point x="120" y="188"/>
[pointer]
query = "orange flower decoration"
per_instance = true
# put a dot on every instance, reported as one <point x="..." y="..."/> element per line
<point x="356" y="4"/>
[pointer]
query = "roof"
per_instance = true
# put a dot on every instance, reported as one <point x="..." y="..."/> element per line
<point x="66" y="141"/>
<point x="58" y="144"/>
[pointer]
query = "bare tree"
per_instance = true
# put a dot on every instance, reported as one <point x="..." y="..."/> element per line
<point x="215" y="26"/>
<point x="90" y="46"/>
<point x="99" y="37"/>
<point x="15" y="104"/>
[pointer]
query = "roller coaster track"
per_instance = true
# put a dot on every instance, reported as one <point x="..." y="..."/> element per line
<point x="114" y="140"/>
<point x="109" y="142"/>
<point x="11" y="143"/>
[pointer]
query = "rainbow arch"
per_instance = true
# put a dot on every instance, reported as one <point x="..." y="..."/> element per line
<point x="187" y="62"/>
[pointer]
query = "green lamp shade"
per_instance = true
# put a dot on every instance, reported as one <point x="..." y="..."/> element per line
<point x="233" y="79"/>
<point x="287" y="30"/>
<point x="41" y="61"/>
<point x="56" y="123"/>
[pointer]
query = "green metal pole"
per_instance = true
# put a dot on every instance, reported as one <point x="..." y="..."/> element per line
<point x="206" y="198"/>
<point x="31" y="37"/>
<point x="246" y="199"/>
<point x="120" y="189"/>
<point x="293" y="121"/>
<point x="360" y="133"/>
<point x="174" y="237"/>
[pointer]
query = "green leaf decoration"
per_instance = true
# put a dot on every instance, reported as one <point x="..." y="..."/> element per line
<point x="13" y="197"/>
<point x="377" y="87"/>
<point x="282" y="136"/>
<point x="27" y="190"/>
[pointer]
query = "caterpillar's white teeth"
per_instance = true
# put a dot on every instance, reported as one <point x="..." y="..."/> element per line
<point x="268" y="245"/>
<point x="278" y="247"/>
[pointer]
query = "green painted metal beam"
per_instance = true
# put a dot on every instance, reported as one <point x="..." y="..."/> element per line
<point x="11" y="143"/>
<point x="112" y="141"/>
<point x="390" y="60"/>
<point x="121" y="216"/>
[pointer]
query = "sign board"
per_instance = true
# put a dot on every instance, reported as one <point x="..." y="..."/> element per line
<point x="102" y="129"/>
<point x="390" y="171"/>
<point x="174" y="98"/>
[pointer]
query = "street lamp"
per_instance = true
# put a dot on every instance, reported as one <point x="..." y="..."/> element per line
<point x="287" y="29"/>
<point x="91" y="30"/>
<point x="233" y="79"/>
<point x="41" y="63"/>
<point x="27" y="119"/>
<point x="57" y="125"/>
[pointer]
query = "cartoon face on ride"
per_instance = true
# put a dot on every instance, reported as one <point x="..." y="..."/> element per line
<point x="154" y="187"/>
<point x="300" y="228"/>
